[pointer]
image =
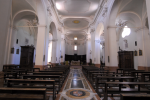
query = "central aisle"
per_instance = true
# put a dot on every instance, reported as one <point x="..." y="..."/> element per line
<point x="77" y="87"/>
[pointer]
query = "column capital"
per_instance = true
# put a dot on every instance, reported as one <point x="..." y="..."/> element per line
<point x="121" y="23"/>
<point x="49" y="10"/>
<point x="59" y="29"/>
<point x="92" y="30"/>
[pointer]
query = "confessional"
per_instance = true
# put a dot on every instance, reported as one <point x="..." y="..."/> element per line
<point x="126" y="59"/>
<point x="26" y="58"/>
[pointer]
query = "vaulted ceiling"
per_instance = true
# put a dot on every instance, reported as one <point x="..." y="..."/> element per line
<point x="76" y="15"/>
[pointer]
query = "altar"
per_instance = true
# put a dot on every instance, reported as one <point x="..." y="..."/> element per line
<point x="75" y="62"/>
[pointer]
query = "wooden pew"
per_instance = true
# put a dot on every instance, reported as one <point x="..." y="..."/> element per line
<point x="28" y="83"/>
<point x="96" y="71"/>
<point x="1" y="79"/>
<point x="119" y="90"/>
<point x="57" y="78"/>
<point x="22" y="93"/>
<point x="10" y="75"/>
<point x="94" y="75"/>
<point x="18" y="71"/>
<point x="56" y="70"/>
<point x="51" y="73"/>
<point x="121" y="70"/>
<point x="10" y="66"/>
<point x="101" y="80"/>
<point x="138" y="73"/>
<point x="134" y="96"/>
<point x="143" y="77"/>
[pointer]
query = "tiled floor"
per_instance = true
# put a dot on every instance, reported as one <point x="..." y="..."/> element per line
<point x="77" y="87"/>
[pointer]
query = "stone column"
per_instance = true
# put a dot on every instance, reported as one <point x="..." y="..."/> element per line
<point x="54" y="46"/>
<point x="62" y="49"/>
<point x="5" y="15"/>
<point x="40" y="48"/>
<point x="103" y="51"/>
<point x="58" y="46"/>
<point x="97" y="53"/>
<point x="93" y="45"/>
<point x="88" y="48"/>
<point x="113" y="51"/>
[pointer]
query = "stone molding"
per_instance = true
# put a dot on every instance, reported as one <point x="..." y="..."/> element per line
<point x="121" y="23"/>
<point x="140" y="29"/>
<point x="92" y="30"/>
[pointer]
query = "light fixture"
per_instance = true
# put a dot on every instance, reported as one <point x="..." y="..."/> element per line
<point x="75" y="38"/>
<point x="76" y="21"/>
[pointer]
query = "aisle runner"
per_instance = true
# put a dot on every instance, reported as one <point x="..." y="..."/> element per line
<point x="76" y="87"/>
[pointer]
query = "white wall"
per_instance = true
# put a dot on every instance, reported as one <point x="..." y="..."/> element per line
<point x="69" y="49"/>
<point x="131" y="44"/>
<point x="5" y="11"/>
<point x="21" y="33"/>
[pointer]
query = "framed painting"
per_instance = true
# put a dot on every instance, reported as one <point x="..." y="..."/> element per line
<point x="140" y="53"/>
<point x="135" y="53"/>
<point x="17" y="51"/>
<point x="12" y="50"/>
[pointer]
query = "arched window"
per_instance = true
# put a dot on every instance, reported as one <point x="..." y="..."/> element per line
<point x="126" y="32"/>
<point x="75" y="47"/>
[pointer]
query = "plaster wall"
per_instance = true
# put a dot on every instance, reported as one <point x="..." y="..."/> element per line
<point x="22" y="34"/>
<point x="81" y="49"/>
<point x="5" y="9"/>
<point x="131" y="44"/>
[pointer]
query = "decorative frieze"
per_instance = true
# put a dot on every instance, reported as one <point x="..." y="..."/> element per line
<point x="60" y="30"/>
<point x="121" y="23"/>
<point x="49" y="11"/>
<point x="140" y="29"/>
<point x="105" y="10"/>
<point x="92" y="30"/>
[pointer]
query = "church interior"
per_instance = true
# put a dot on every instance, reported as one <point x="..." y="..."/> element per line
<point x="74" y="49"/>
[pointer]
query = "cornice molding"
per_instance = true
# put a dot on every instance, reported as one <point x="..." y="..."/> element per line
<point x="100" y="9"/>
<point x="140" y="29"/>
<point x="51" y="3"/>
<point x="54" y="40"/>
<point x="121" y="23"/>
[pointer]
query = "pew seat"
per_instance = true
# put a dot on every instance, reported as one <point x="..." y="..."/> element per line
<point x="22" y="93"/>
<point x="134" y="96"/>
